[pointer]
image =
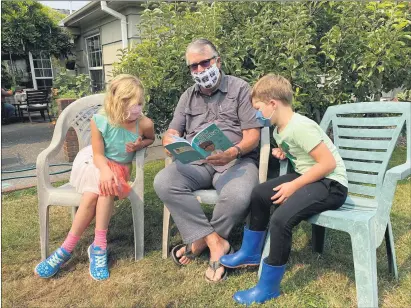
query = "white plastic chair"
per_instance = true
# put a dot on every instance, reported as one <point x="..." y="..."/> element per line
<point x="78" y="115"/>
<point x="209" y="196"/>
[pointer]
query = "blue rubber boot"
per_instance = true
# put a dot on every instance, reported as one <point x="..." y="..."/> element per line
<point x="250" y="251"/>
<point x="49" y="267"/>
<point x="268" y="286"/>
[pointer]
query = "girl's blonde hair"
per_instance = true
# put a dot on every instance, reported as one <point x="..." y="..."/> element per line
<point x="123" y="92"/>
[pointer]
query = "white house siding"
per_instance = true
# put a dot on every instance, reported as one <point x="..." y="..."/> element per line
<point x="109" y="29"/>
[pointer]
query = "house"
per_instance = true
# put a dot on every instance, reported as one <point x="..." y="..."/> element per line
<point x="100" y="29"/>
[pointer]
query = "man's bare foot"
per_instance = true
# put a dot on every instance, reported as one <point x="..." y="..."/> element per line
<point x="197" y="247"/>
<point x="218" y="248"/>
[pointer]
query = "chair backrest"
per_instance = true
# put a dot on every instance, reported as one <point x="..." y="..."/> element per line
<point x="78" y="115"/>
<point x="37" y="97"/>
<point x="365" y="135"/>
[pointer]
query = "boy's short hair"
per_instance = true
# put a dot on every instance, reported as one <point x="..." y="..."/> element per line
<point x="273" y="86"/>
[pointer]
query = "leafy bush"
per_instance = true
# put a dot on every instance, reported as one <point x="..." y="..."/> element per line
<point x="66" y="85"/>
<point x="332" y="52"/>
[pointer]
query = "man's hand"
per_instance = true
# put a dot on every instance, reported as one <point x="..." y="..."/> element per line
<point x="135" y="146"/>
<point x="284" y="191"/>
<point x="168" y="138"/>
<point x="278" y="153"/>
<point x="222" y="158"/>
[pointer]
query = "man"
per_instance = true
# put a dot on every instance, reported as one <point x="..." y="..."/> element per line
<point x="223" y="100"/>
<point x="8" y="109"/>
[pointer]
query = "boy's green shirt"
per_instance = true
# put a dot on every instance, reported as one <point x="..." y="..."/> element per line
<point x="299" y="138"/>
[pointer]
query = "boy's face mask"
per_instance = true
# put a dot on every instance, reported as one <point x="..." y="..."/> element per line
<point x="134" y="112"/>
<point x="266" y="122"/>
<point x="208" y="78"/>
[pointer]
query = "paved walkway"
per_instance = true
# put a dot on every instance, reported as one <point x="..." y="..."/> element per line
<point x="22" y="142"/>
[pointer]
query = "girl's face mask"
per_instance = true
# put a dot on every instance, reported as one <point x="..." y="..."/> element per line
<point x="134" y="112"/>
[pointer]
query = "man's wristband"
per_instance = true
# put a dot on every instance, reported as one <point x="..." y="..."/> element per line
<point x="239" y="152"/>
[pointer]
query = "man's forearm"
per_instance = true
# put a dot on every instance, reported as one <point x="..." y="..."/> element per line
<point x="251" y="138"/>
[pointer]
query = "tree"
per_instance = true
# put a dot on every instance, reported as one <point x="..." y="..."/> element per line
<point x="30" y="26"/>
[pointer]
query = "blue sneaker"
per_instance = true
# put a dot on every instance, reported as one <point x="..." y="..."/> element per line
<point x="52" y="264"/>
<point x="98" y="263"/>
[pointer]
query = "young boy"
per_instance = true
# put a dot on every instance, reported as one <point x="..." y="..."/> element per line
<point x="319" y="183"/>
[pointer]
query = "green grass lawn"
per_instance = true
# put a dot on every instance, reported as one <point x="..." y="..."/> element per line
<point x="311" y="280"/>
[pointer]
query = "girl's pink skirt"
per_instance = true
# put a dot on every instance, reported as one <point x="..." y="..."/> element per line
<point x="85" y="176"/>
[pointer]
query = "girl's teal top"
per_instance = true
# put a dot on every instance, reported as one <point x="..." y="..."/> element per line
<point x="115" y="139"/>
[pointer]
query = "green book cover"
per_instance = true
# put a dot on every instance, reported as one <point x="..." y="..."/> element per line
<point x="209" y="141"/>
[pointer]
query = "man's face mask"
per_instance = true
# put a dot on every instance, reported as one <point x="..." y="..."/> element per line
<point x="266" y="122"/>
<point x="134" y="112"/>
<point x="208" y="78"/>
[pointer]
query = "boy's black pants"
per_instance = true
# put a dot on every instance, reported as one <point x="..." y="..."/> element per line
<point x="309" y="200"/>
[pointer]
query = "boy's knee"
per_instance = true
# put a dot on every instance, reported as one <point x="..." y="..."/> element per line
<point x="257" y="193"/>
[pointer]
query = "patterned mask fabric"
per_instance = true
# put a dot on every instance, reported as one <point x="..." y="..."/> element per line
<point x="208" y="78"/>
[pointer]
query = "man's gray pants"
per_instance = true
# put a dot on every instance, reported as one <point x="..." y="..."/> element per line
<point x="175" y="185"/>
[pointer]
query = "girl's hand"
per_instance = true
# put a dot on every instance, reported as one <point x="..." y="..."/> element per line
<point x="284" y="191"/>
<point x="135" y="146"/>
<point x="108" y="183"/>
<point x="278" y="153"/>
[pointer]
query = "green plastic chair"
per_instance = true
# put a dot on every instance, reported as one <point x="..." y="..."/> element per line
<point x="365" y="135"/>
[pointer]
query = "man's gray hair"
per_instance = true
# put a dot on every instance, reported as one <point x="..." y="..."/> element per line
<point x="201" y="46"/>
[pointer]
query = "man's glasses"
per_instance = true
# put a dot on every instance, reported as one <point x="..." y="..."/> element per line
<point x="205" y="64"/>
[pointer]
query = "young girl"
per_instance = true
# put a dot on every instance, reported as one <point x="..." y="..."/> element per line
<point x="319" y="183"/>
<point x="101" y="170"/>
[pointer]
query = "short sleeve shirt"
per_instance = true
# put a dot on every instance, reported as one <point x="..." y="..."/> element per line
<point x="115" y="139"/>
<point x="229" y="107"/>
<point x="299" y="138"/>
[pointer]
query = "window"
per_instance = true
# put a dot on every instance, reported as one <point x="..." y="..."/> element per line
<point x="95" y="62"/>
<point x="42" y="69"/>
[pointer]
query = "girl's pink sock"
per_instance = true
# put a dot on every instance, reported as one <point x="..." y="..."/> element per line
<point x="100" y="239"/>
<point x="70" y="242"/>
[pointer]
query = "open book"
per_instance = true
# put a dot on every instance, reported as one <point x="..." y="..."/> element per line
<point x="209" y="141"/>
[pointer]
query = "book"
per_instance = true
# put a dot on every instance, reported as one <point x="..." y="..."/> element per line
<point x="209" y="141"/>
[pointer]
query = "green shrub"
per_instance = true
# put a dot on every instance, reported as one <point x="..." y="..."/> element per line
<point x="332" y="52"/>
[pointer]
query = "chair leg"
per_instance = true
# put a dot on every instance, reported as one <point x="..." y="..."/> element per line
<point x="48" y="114"/>
<point x="42" y="114"/>
<point x="137" y="208"/>
<point x="44" y="230"/>
<point x="318" y="237"/>
<point x="266" y="252"/>
<point x="73" y="212"/>
<point x="365" y="266"/>
<point x="166" y="233"/>
<point x="29" y="116"/>
<point x="389" y="242"/>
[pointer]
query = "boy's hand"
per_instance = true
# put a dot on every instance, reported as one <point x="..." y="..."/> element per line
<point x="135" y="146"/>
<point x="284" y="191"/>
<point x="278" y="153"/>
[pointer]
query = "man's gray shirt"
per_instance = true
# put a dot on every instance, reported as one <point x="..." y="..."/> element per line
<point x="229" y="107"/>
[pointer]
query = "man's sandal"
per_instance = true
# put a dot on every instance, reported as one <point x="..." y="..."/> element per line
<point x="215" y="265"/>
<point x="188" y="253"/>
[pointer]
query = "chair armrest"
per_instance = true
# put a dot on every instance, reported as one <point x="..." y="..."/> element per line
<point x="398" y="173"/>
<point x="138" y="181"/>
<point x="168" y="161"/>
<point x="264" y="154"/>
<point x="283" y="167"/>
